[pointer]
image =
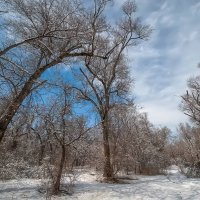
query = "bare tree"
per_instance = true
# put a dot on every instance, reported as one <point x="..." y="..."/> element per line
<point x="63" y="129"/>
<point x="191" y="100"/>
<point x="189" y="135"/>
<point x="49" y="33"/>
<point x="106" y="81"/>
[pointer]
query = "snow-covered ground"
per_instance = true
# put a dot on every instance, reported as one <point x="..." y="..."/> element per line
<point x="172" y="186"/>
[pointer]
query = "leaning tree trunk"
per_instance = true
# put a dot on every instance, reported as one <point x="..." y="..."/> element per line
<point x="12" y="109"/>
<point x="25" y="91"/>
<point x="107" y="171"/>
<point x="56" y="184"/>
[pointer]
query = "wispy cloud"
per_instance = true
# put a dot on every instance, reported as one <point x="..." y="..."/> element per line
<point x="162" y="66"/>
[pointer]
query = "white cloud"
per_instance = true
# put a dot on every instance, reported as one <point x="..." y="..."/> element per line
<point x="162" y="66"/>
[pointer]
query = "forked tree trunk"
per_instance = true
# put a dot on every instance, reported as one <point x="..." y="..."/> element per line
<point x="56" y="184"/>
<point x="107" y="171"/>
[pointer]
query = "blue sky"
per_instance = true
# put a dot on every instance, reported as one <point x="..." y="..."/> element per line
<point x="162" y="66"/>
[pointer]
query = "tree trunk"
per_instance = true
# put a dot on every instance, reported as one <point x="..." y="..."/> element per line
<point x="108" y="172"/>
<point x="12" y="109"/>
<point x="41" y="154"/>
<point x="2" y="131"/>
<point x="56" y="184"/>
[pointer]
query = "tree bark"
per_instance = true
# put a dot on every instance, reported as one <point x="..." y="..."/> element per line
<point x="41" y="154"/>
<point x="107" y="172"/>
<point x="56" y="184"/>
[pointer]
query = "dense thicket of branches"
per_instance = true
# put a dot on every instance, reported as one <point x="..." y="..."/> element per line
<point x="135" y="144"/>
<point x="35" y="146"/>
<point x="185" y="151"/>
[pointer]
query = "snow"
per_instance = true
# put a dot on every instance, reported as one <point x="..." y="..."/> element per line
<point x="170" y="187"/>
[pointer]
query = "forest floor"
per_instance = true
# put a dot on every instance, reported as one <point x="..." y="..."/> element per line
<point x="172" y="186"/>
